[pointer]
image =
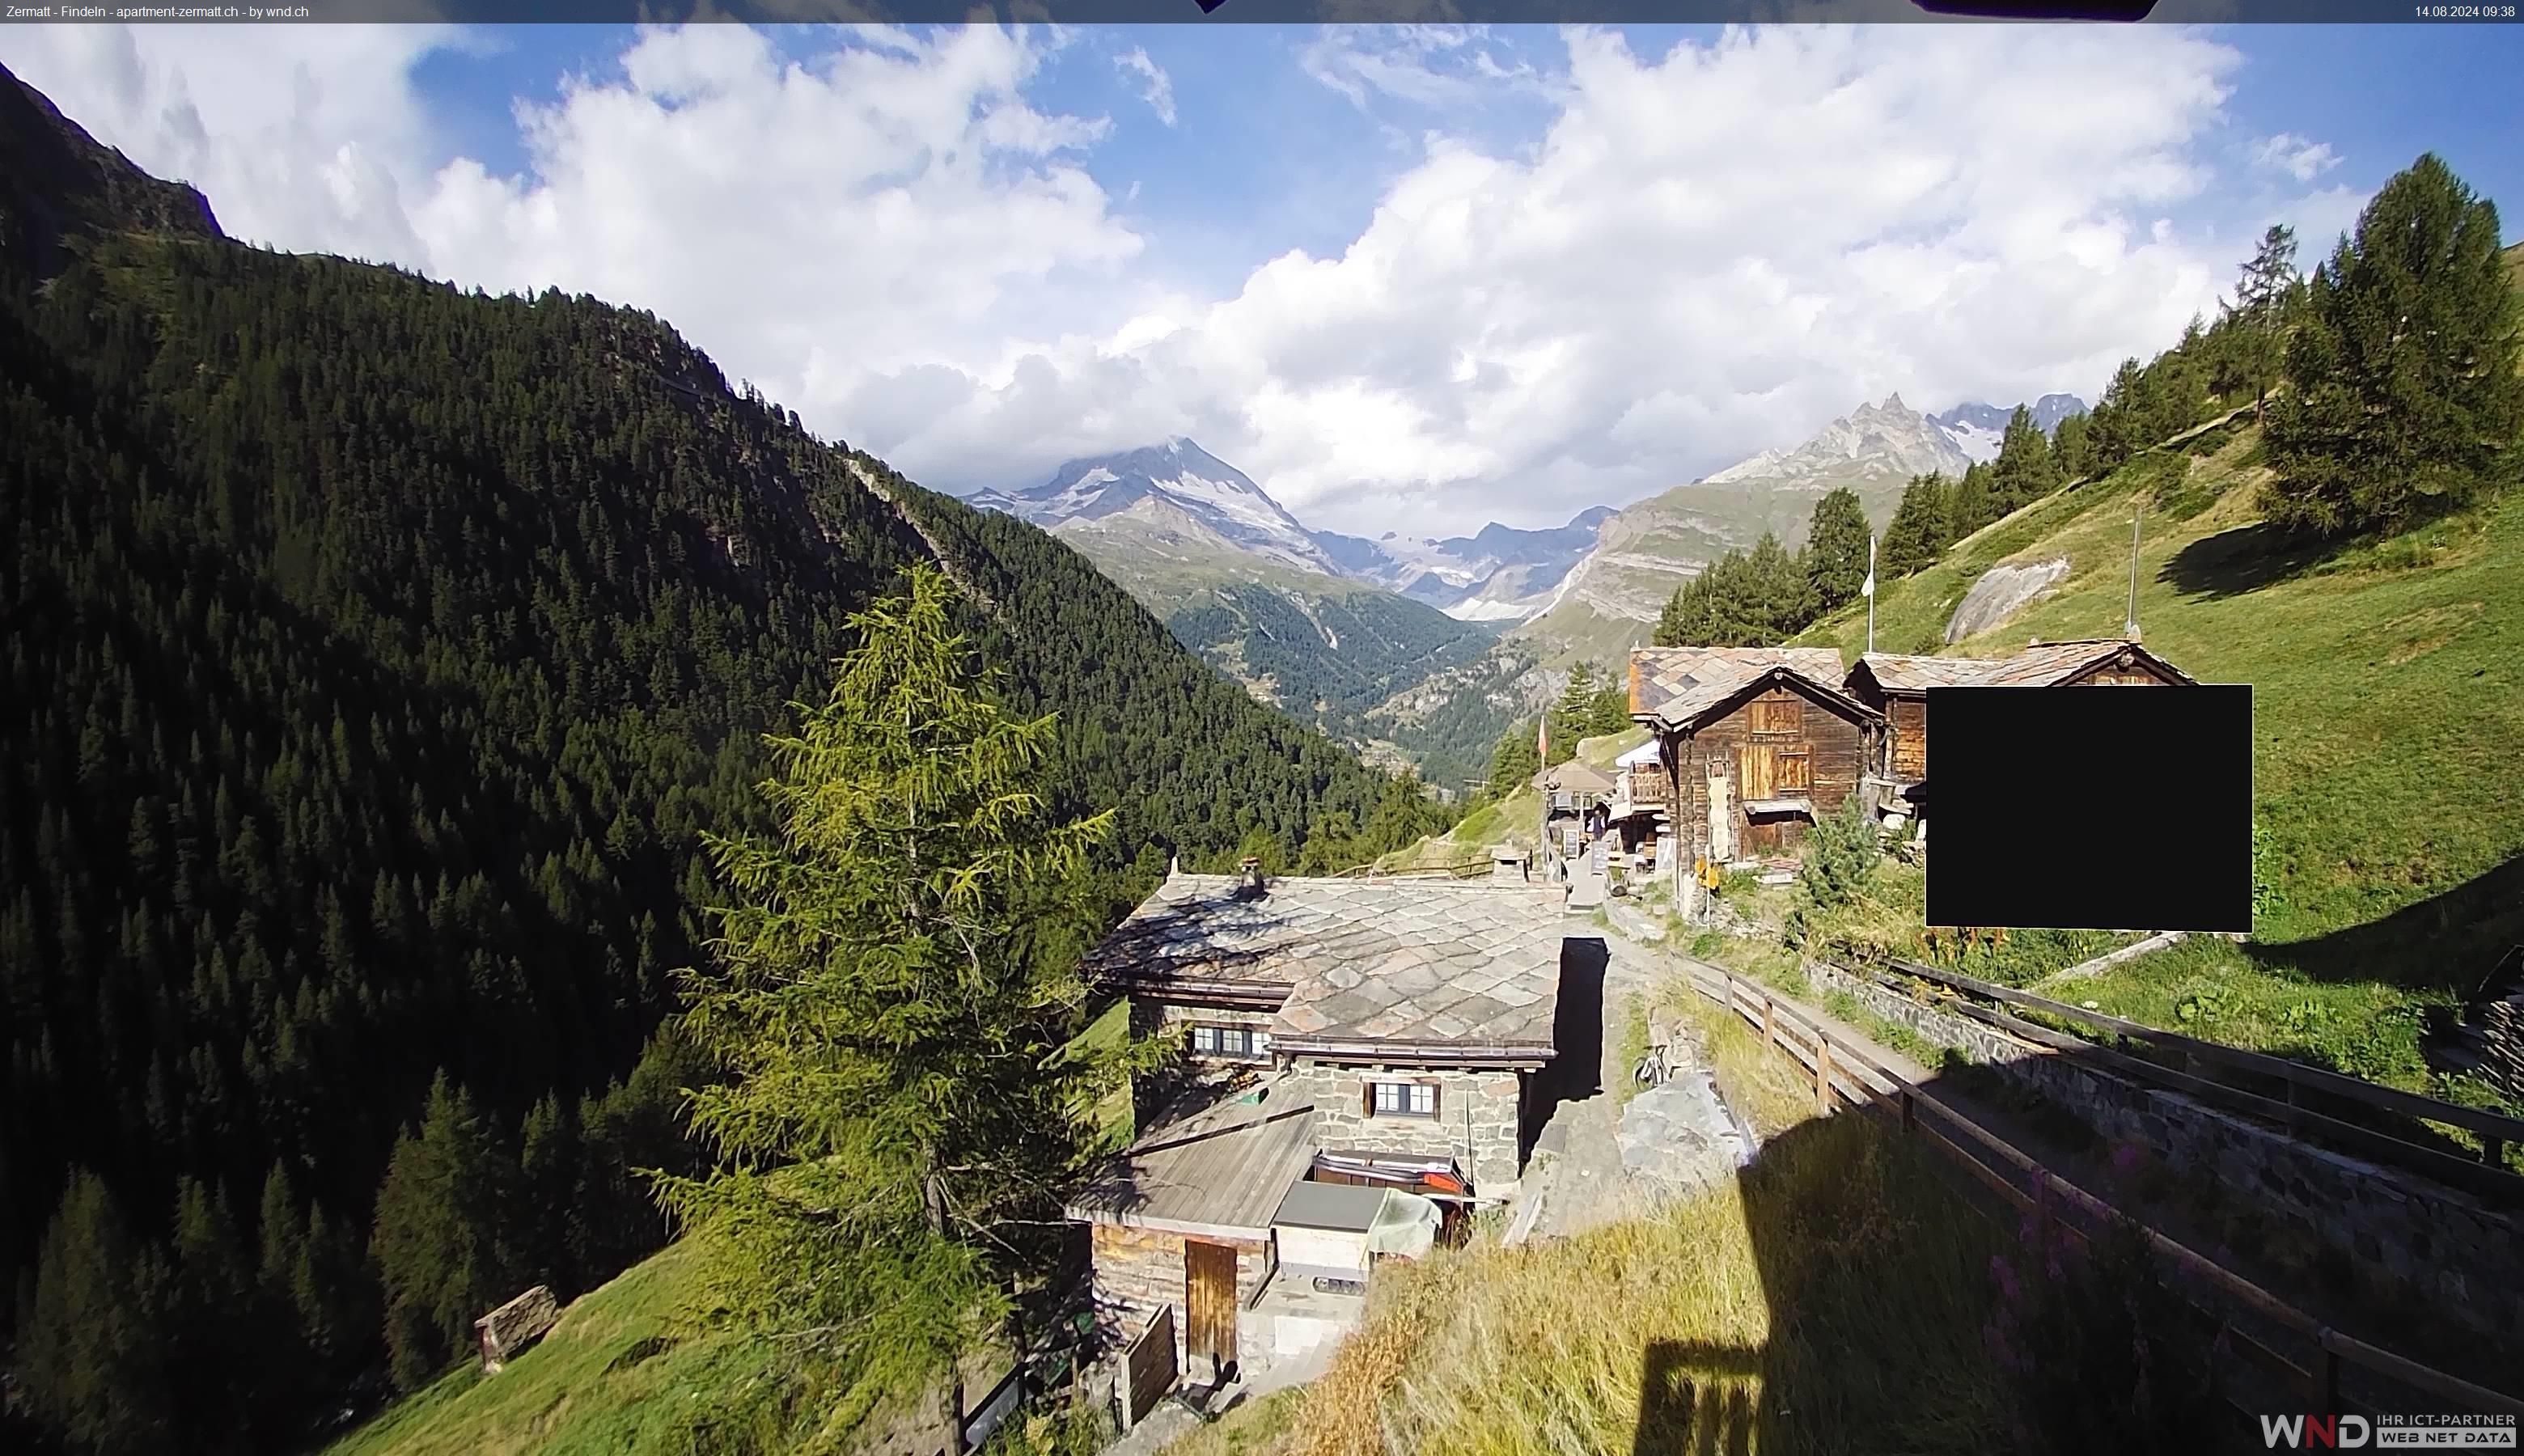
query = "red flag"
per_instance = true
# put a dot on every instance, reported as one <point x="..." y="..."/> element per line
<point x="1542" y="740"/>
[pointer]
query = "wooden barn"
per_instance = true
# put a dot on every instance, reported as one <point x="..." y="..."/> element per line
<point x="1896" y="685"/>
<point x="1758" y="742"/>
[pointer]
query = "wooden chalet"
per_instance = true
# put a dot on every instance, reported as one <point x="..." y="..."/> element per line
<point x="1757" y="743"/>
<point x="1896" y="685"/>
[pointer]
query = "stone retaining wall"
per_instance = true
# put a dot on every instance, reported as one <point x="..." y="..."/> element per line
<point x="2445" y="1248"/>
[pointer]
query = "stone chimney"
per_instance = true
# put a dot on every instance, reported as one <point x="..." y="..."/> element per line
<point x="1248" y="876"/>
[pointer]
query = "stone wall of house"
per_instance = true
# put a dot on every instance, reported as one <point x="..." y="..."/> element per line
<point x="1477" y="1122"/>
<point x="2444" y="1248"/>
<point x="1177" y="1023"/>
<point x="1136" y="1271"/>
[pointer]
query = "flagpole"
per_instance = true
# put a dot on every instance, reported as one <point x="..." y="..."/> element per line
<point x="2129" y="628"/>
<point x="1870" y="591"/>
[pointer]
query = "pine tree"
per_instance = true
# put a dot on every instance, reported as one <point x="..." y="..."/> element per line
<point x="211" y="1308"/>
<point x="1574" y="716"/>
<point x="443" y="1243"/>
<point x="91" y="1332"/>
<point x="1917" y="533"/>
<point x="2022" y="473"/>
<point x="2117" y="432"/>
<point x="1778" y="599"/>
<point x="1687" y="619"/>
<point x="898" y="1106"/>
<point x="1835" y="552"/>
<point x="1513" y="762"/>
<point x="547" y="1167"/>
<point x="2072" y="454"/>
<point x="2404" y="398"/>
<point x="1972" y="503"/>
<point x="2257" y="317"/>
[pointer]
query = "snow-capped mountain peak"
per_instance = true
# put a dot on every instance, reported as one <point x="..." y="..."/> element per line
<point x="1976" y="428"/>
<point x="1216" y="497"/>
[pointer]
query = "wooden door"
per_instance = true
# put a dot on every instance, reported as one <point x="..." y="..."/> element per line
<point x="1209" y="1300"/>
<point x="1760" y="771"/>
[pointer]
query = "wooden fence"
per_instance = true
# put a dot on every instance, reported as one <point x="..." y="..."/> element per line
<point x="1847" y="1071"/>
<point x="2287" y="1092"/>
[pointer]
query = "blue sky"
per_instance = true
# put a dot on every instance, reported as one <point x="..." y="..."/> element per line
<point x="1409" y="279"/>
<point x="1249" y="110"/>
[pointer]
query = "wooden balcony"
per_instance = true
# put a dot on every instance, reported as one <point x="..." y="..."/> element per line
<point x="1643" y="787"/>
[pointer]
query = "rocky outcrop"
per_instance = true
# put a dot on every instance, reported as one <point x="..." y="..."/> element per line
<point x="2001" y="593"/>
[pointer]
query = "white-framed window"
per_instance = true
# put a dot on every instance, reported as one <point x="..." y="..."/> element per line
<point x="1401" y="1100"/>
<point x="1242" y="1043"/>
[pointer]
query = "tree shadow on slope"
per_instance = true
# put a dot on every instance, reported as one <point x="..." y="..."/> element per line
<point x="2445" y="943"/>
<point x="2243" y="560"/>
<point x="1910" y="1310"/>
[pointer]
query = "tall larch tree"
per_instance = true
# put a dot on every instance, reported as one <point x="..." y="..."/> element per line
<point x="1835" y="552"/>
<point x="2403" y="400"/>
<point x="893" y="990"/>
<point x="1918" y="534"/>
<point x="2255" y="347"/>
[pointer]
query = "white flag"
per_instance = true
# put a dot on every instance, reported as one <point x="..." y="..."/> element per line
<point x="1868" y="590"/>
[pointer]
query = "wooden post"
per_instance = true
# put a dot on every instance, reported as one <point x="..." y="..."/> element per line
<point x="2325" y="1371"/>
<point x="2493" y="1151"/>
<point x="1910" y="1111"/>
<point x="1769" y="1026"/>
<point x="1823" y="1070"/>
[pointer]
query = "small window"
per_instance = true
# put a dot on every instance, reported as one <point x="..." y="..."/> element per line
<point x="1240" y="1041"/>
<point x="1401" y="1100"/>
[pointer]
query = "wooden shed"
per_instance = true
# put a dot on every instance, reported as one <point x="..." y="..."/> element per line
<point x="1180" y="1223"/>
<point x="1757" y="742"/>
<point x="508" y="1329"/>
<point x="1896" y="685"/>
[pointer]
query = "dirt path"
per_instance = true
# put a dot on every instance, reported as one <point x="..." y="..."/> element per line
<point x="1577" y="1171"/>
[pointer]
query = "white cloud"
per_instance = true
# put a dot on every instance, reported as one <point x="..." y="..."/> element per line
<point x="1705" y="252"/>
<point x="305" y="136"/>
<point x="2294" y="155"/>
<point x="1156" y="86"/>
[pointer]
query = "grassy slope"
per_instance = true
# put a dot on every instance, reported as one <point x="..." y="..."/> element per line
<point x="1833" y="1298"/>
<point x="585" y="1389"/>
<point x="2387" y="713"/>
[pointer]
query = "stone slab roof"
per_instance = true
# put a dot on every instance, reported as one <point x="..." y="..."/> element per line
<point x="1674" y="685"/>
<point x="2037" y="667"/>
<point x="1574" y="777"/>
<point x="1445" y="964"/>
<point x="2045" y="664"/>
<point x="1903" y="672"/>
<point x="1223" y="1170"/>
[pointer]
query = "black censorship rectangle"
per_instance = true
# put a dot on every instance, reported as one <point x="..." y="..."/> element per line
<point x="2091" y="807"/>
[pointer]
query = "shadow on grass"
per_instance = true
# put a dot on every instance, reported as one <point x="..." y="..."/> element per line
<point x="2243" y="560"/>
<point x="1885" y="1297"/>
<point x="2445" y="943"/>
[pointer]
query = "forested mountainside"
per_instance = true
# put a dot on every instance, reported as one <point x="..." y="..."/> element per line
<point x="376" y="653"/>
<point x="1329" y="659"/>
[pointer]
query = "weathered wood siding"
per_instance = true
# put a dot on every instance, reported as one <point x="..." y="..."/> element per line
<point x="1141" y="1271"/>
<point x="1779" y="744"/>
<point x="1907" y="719"/>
